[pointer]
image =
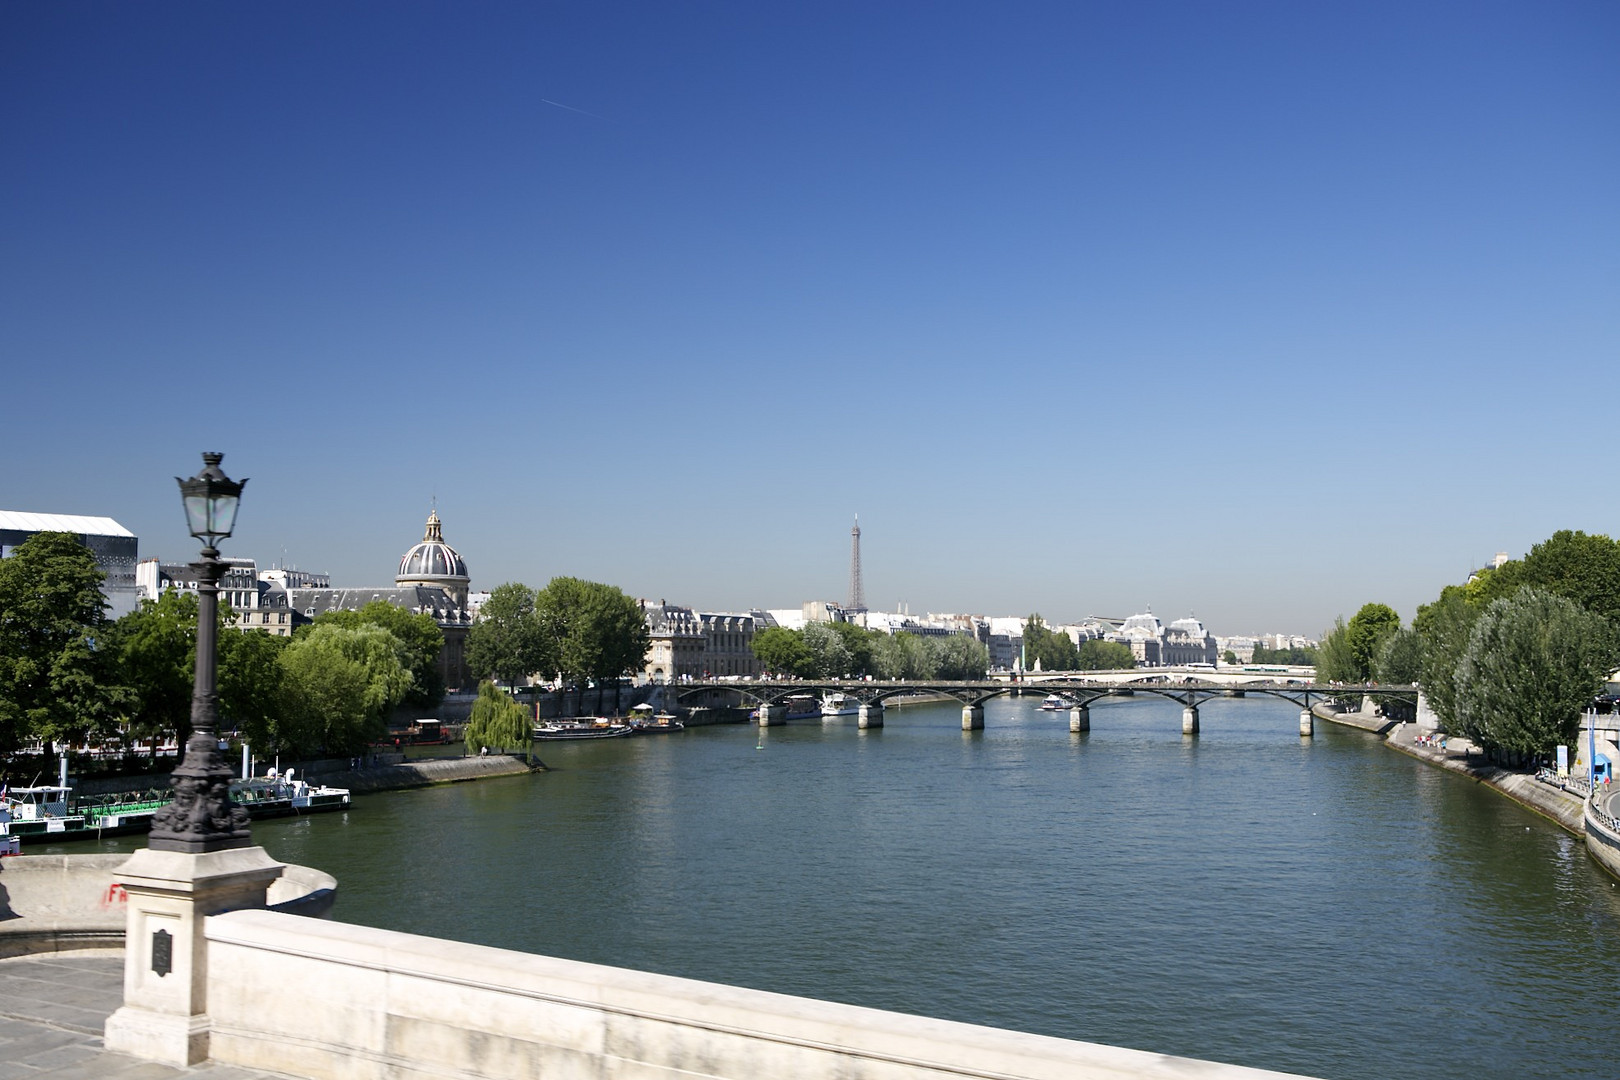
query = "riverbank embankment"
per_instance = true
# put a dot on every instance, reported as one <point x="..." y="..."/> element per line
<point x="1460" y="756"/>
<point x="396" y="775"/>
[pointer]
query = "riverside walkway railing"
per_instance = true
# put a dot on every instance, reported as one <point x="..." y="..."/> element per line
<point x="1575" y="785"/>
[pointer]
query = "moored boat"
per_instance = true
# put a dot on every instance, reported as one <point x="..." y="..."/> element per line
<point x="645" y="722"/>
<point x="836" y="704"/>
<point x="801" y="707"/>
<point x="581" y="728"/>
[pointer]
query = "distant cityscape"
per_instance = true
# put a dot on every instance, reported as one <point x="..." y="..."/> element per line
<point x="432" y="578"/>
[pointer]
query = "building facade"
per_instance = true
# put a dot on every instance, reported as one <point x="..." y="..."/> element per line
<point x="116" y="549"/>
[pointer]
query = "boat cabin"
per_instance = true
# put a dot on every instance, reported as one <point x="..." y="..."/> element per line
<point x="37" y="803"/>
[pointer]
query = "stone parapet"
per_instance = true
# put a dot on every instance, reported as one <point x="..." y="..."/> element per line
<point x="371" y="1004"/>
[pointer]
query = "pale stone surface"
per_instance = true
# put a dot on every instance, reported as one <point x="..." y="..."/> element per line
<point x="1307" y="722"/>
<point x="1189" y="721"/>
<point x="376" y="1003"/>
<point x="870" y="716"/>
<point x="164" y="1016"/>
<point x="772" y="715"/>
<point x="1080" y="718"/>
<point x="972" y="717"/>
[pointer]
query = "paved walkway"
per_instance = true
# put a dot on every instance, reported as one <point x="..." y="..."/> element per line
<point x="52" y="1010"/>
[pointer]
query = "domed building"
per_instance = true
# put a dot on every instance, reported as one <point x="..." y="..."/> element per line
<point x="435" y="563"/>
<point x="1187" y="642"/>
<point x="432" y="581"/>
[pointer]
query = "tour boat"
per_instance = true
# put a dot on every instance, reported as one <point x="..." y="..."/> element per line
<point x="644" y="722"/>
<point x="49" y="812"/>
<point x="840" y="705"/>
<point x="1052" y="703"/>
<point x="581" y="728"/>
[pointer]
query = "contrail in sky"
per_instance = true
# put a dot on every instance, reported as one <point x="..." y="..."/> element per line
<point x="570" y="108"/>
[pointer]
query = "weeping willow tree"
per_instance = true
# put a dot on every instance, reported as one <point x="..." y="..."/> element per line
<point x="497" y="722"/>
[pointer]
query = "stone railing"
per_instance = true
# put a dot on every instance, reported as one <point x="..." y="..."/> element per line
<point x="56" y="903"/>
<point x="1576" y="785"/>
<point x="320" y="999"/>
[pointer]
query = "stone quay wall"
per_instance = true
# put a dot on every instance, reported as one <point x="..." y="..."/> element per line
<point x="371" y="1004"/>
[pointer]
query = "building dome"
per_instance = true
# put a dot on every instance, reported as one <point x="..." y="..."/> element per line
<point x="434" y="562"/>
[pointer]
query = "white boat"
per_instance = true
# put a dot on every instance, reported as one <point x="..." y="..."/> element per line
<point x="1052" y="703"/>
<point x="586" y="727"/>
<point x="840" y="705"/>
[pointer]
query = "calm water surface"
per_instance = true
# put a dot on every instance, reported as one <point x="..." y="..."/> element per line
<point x="1323" y="906"/>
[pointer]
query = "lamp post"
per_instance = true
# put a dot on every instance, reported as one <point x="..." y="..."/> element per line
<point x="201" y="816"/>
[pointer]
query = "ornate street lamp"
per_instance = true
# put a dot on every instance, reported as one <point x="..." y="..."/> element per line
<point x="201" y="816"/>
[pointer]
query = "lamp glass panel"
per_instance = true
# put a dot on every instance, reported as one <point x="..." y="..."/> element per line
<point x="222" y="514"/>
<point x="197" y="515"/>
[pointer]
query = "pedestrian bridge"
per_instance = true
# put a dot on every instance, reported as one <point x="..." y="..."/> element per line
<point x="1078" y="692"/>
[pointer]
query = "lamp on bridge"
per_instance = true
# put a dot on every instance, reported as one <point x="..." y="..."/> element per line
<point x="201" y="816"/>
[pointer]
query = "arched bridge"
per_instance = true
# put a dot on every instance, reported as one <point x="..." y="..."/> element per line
<point x="1078" y="694"/>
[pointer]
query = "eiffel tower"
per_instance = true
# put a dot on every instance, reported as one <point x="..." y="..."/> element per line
<point x="857" y="594"/>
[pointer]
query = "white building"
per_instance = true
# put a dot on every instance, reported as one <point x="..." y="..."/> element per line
<point x="115" y="549"/>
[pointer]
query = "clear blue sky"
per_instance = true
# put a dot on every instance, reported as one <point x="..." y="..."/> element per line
<point x="1261" y="310"/>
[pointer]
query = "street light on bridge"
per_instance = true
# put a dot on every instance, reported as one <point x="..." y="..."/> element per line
<point x="201" y="817"/>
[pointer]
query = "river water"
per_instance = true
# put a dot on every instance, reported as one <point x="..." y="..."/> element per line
<point x="1323" y="905"/>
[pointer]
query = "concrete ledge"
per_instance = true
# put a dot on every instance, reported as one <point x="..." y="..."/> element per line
<point x="65" y="903"/>
<point x="380" y="1004"/>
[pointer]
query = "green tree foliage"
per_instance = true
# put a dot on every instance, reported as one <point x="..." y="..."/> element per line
<point x="509" y="641"/>
<point x="1302" y="657"/>
<point x="858" y="643"/>
<point x="1095" y="655"/>
<point x="1400" y="659"/>
<point x="1533" y="662"/>
<point x="904" y="656"/>
<point x="599" y="632"/>
<point x="1052" y="650"/>
<point x="56" y="675"/>
<point x="829" y="656"/>
<point x="781" y="651"/>
<point x="1229" y="658"/>
<point x="252" y="694"/>
<point x="421" y="637"/>
<point x="341" y="683"/>
<point x="1335" y="661"/>
<point x="156" y="646"/>
<point x="1365" y="635"/>
<point x="497" y="721"/>
<point x="959" y="656"/>
<point x="1443" y="629"/>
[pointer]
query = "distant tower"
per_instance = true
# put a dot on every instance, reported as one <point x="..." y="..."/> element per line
<point x="857" y="594"/>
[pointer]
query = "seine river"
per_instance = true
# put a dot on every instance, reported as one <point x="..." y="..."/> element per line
<point x="1323" y="906"/>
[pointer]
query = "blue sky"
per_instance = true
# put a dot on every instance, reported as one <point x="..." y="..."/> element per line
<point x="1260" y="310"/>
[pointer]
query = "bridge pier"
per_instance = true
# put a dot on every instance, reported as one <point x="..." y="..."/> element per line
<point x="973" y="718"/>
<point x="870" y="716"/>
<point x="1307" y="722"/>
<point x="772" y="715"/>
<point x="1080" y="718"/>
<point x="1189" y="720"/>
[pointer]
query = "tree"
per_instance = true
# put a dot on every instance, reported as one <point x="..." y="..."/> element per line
<point x="781" y="651"/>
<point x="1229" y="658"/>
<point x="960" y="656"/>
<point x="55" y="674"/>
<point x="858" y="643"/>
<point x="1098" y="655"/>
<point x="1302" y="657"/>
<point x="252" y="694"/>
<point x="1400" y="659"/>
<point x="497" y="721"/>
<point x="1365" y="635"/>
<point x="829" y="656"/>
<point x="156" y="646"/>
<point x="599" y="632"/>
<point x="1443" y="629"/>
<point x="509" y="642"/>
<point x="1580" y="567"/>
<point x="418" y="633"/>
<point x="1534" y="661"/>
<point x="904" y="656"/>
<point x="341" y="684"/>
<point x="1051" y="650"/>
<point x="1335" y="661"/>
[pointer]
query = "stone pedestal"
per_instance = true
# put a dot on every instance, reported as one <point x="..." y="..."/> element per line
<point x="1080" y="718"/>
<point x="1189" y="720"/>
<point x="1307" y="722"/>
<point x="772" y="715"/>
<point x="870" y="716"/>
<point x="165" y="1013"/>
<point x="973" y="718"/>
